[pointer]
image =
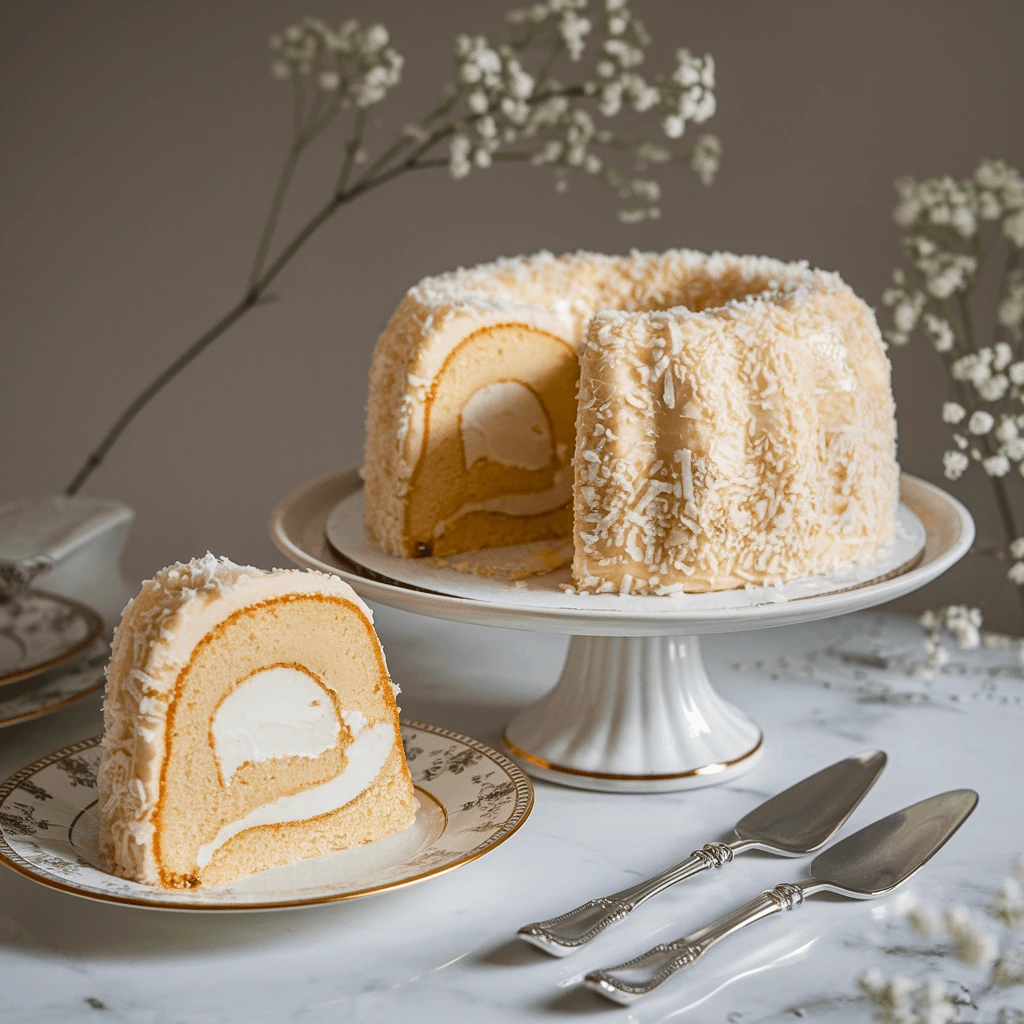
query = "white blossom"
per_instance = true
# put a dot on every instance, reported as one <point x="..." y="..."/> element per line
<point x="993" y="388"/>
<point x="506" y="105"/>
<point x="921" y="920"/>
<point x="981" y="422"/>
<point x="953" y="412"/>
<point x="1016" y="573"/>
<point x="996" y="465"/>
<point x="901" y="1001"/>
<point x="970" y="944"/>
<point x="705" y="157"/>
<point x="1011" y="313"/>
<point x="954" y="465"/>
<point x="1007" y="429"/>
<point x="356" y="61"/>
<point x="1008" y="905"/>
<point x="940" y="330"/>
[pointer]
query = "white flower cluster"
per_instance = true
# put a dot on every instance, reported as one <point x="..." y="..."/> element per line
<point x="1008" y="905"/>
<point x="971" y="944"/>
<point x="353" y="63"/>
<point x="506" y="104"/>
<point x="942" y="215"/>
<point x="960" y="621"/>
<point x="953" y="228"/>
<point x="902" y="1001"/>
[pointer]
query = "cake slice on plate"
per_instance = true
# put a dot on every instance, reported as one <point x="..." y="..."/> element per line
<point x="249" y="722"/>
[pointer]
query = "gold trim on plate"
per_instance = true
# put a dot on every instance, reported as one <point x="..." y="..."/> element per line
<point x="39" y="712"/>
<point x="520" y="812"/>
<point x="708" y="769"/>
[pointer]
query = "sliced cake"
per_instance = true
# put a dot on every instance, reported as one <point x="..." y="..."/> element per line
<point x="736" y="423"/>
<point x="249" y="722"/>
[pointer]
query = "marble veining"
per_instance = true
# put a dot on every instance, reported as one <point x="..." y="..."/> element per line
<point x="444" y="951"/>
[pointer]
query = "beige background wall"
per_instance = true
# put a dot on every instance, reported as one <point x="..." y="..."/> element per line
<point x="141" y="140"/>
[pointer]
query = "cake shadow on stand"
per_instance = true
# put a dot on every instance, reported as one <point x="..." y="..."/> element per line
<point x="634" y="709"/>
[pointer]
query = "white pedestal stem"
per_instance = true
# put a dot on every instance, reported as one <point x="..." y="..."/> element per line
<point x="633" y="714"/>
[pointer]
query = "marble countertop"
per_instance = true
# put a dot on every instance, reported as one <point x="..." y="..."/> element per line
<point x="444" y="950"/>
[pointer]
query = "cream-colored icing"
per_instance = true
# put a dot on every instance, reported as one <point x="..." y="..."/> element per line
<point x="159" y="630"/>
<point x="365" y="756"/>
<point x="505" y="422"/>
<point x="278" y="712"/>
<point x="644" y="322"/>
<point x="526" y="503"/>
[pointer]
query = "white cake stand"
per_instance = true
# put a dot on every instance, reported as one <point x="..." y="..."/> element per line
<point x="634" y="709"/>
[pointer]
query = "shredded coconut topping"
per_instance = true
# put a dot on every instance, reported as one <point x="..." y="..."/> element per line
<point x="735" y="420"/>
<point x="158" y="631"/>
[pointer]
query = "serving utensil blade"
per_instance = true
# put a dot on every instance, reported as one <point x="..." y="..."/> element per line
<point x="804" y="817"/>
<point x="887" y="852"/>
<point x="870" y="863"/>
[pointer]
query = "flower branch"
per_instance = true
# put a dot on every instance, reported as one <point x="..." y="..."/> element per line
<point x="496" y="109"/>
<point x="953" y="229"/>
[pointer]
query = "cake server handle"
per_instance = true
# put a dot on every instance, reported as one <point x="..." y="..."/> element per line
<point x="560" y="936"/>
<point x="626" y="982"/>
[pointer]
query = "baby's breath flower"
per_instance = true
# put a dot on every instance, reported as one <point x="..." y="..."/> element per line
<point x="953" y="412"/>
<point x="970" y="944"/>
<point x="981" y="422"/>
<point x="921" y="920"/>
<point x="996" y="465"/>
<point x="357" y="61"/>
<point x="939" y="329"/>
<point x="954" y="465"/>
<point x="705" y="158"/>
<point x="899" y="1000"/>
<point x="506" y="104"/>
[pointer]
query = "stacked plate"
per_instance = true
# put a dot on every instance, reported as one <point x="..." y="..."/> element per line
<point x="52" y="653"/>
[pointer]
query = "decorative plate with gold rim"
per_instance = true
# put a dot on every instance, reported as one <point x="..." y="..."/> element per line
<point x="471" y="799"/>
<point x="55" y="688"/>
<point x="39" y="631"/>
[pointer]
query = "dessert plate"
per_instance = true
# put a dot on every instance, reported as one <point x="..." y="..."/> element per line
<point x="56" y="688"/>
<point x="471" y="799"/>
<point x="40" y="630"/>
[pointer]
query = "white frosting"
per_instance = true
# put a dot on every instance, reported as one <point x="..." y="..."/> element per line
<point x="505" y="422"/>
<point x="366" y="756"/>
<point x="355" y="720"/>
<point x="155" y="640"/>
<point x="528" y="503"/>
<point x="279" y="712"/>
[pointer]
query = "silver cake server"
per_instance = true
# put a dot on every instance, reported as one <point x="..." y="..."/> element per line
<point x="793" y="823"/>
<point x="870" y="863"/>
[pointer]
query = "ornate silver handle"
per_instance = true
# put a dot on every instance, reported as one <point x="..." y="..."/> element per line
<point x="562" y="935"/>
<point x="625" y="983"/>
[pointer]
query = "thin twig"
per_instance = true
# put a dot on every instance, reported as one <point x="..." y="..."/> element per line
<point x="255" y="295"/>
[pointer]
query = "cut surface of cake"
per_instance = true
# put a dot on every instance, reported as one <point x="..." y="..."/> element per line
<point x="735" y="422"/>
<point x="249" y="722"/>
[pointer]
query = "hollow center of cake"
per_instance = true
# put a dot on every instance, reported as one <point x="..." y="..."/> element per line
<point x="505" y="422"/>
<point x="277" y="712"/>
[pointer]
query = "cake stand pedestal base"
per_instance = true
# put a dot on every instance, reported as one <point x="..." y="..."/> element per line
<point x="633" y="714"/>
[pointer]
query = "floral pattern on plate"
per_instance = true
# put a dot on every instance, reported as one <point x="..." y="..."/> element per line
<point x="56" y="688"/>
<point x="471" y="798"/>
<point x="39" y="630"/>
